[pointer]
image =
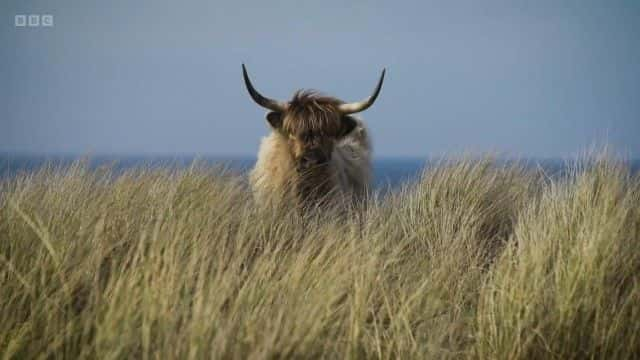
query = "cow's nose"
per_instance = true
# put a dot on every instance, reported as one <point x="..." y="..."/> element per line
<point x="308" y="162"/>
<point x="312" y="159"/>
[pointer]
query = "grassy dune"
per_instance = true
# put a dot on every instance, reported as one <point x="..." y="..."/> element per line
<point x="473" y="260"/>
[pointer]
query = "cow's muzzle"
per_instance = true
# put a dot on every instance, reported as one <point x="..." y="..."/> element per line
<point x="312" y="159"/>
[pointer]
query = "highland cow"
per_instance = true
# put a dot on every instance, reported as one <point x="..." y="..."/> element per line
<point x="317" y="151"/>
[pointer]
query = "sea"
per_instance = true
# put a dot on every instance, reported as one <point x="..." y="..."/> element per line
<point x="388" y="171"/>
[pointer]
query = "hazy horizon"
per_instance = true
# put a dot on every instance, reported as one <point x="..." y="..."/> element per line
<point x="588" y="153"/>
<point x="525" y="80"/>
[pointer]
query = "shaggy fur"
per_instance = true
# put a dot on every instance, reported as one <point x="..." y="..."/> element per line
<point x="313" y="112"/>
<point x="347" y="173"/>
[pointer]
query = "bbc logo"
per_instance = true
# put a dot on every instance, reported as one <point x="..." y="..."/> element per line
<point x="32" y="20"/>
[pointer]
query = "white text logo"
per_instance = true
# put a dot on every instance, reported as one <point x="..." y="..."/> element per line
<point x="33" y="20"/>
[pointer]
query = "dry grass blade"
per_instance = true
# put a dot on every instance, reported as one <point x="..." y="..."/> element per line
<point x="476" y="259"/>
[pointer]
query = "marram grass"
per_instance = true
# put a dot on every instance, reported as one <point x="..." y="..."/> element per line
<point x="473" y="260"/>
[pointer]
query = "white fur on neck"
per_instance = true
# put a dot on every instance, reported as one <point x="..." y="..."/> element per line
<point x="274" y="174"/>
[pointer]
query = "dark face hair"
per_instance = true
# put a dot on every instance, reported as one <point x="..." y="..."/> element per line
<point x="312" y="123"/>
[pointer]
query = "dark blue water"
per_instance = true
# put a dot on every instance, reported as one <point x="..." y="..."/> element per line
<point x="387" y="171"/>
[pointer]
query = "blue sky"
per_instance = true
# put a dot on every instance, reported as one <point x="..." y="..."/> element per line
<point x="521" y="78"/>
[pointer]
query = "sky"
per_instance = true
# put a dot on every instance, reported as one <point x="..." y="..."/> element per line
<point x="518" y="78"/>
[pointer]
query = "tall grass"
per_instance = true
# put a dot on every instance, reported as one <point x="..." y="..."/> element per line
<point x="473" y="260"/>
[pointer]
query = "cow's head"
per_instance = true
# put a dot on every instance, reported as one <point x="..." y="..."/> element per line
<point x="312" y="123"/>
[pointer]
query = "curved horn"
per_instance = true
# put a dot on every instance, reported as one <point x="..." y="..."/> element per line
<point x="258" y="98"/>
<point x="350" y="108"/>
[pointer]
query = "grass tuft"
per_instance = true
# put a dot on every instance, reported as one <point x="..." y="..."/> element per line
<point x="475" y="259"/>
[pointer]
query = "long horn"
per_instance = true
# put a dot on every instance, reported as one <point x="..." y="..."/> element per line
<point x="258" y="98"/>
<point x="350" y="108"/>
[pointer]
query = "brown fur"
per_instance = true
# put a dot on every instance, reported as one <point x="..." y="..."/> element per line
<point x="312" y="112"/>
<point x="312" y="124"/>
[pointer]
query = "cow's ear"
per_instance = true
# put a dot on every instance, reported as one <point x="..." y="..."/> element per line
<point x="348" y="124"/>
<point x="274" y="119"/>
